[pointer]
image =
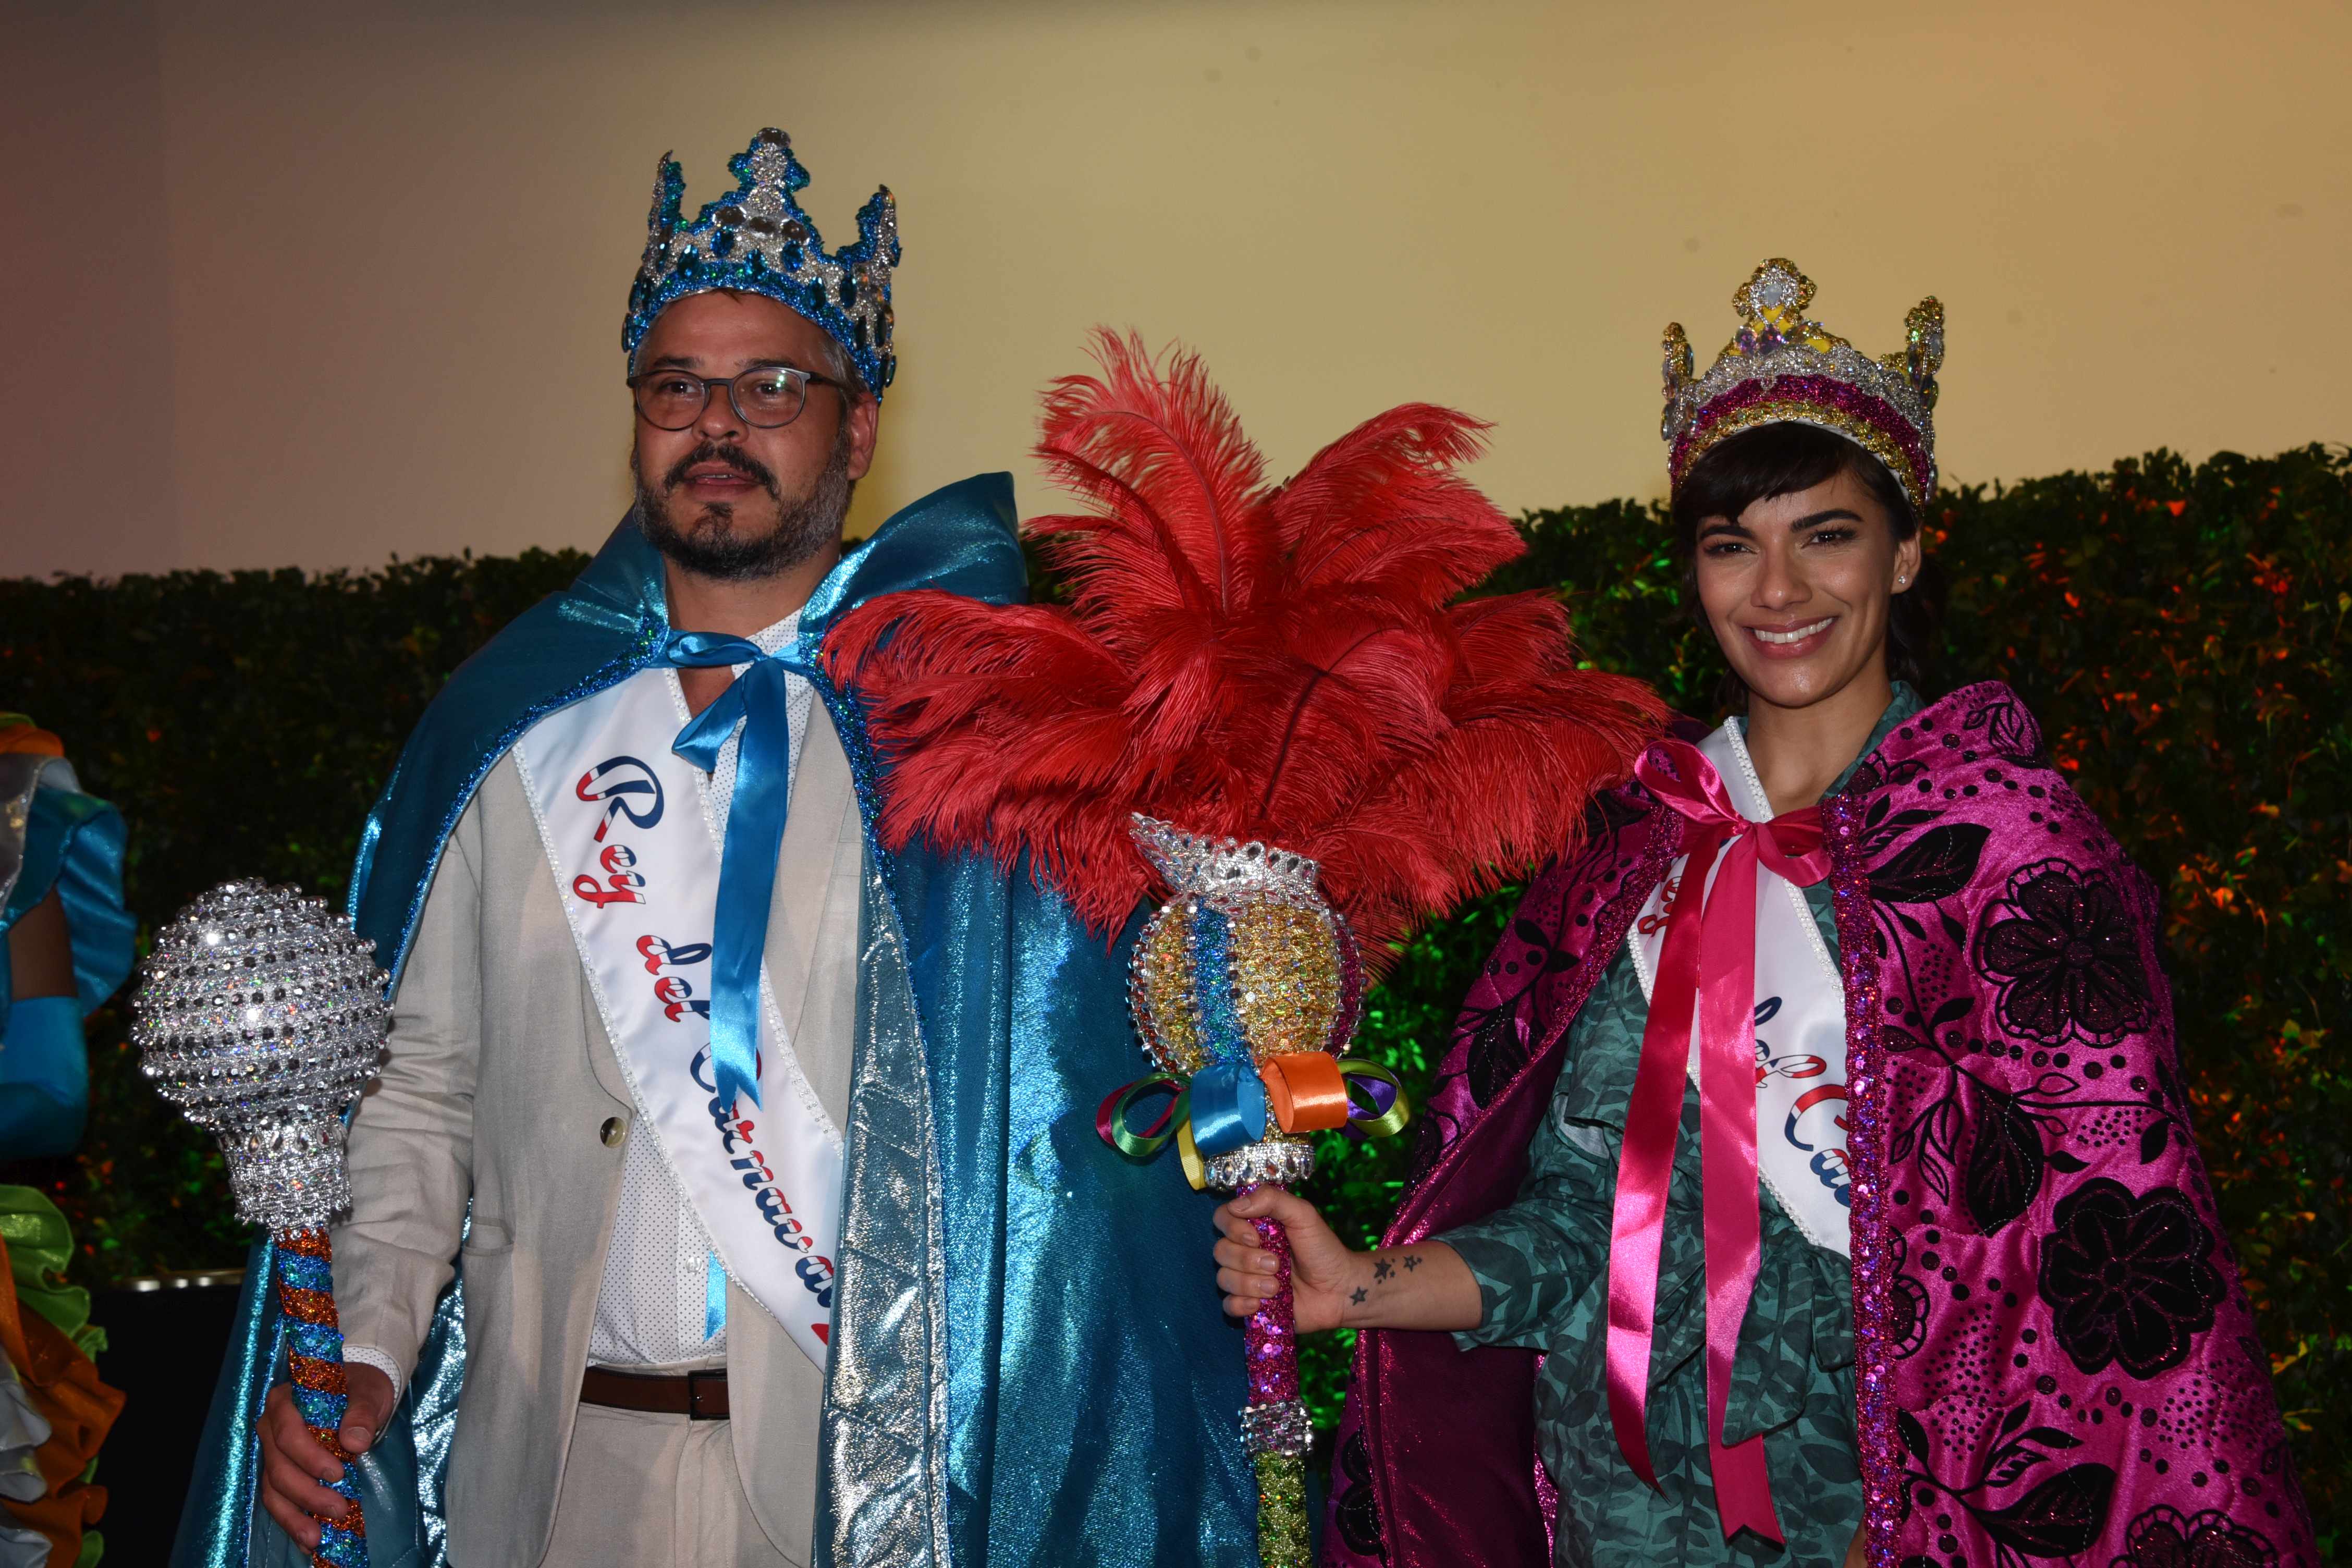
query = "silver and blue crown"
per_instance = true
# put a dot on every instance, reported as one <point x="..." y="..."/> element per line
<point x="757" y="239"/>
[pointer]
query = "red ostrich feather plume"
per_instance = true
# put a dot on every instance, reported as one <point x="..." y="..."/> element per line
<point x="1278" y="663"/>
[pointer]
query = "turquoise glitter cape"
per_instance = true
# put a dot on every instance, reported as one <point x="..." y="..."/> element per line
<point x="1029" y="1365"/>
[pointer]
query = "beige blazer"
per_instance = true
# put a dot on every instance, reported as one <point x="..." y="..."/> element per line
<point x="501" y="1087"/>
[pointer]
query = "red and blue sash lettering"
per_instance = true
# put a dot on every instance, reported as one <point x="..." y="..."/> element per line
<point x="637" y="864"/>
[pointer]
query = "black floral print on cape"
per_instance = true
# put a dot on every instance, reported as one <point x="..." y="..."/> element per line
<point x="2129" y="1279"/>
<point x="1357" y="1513"/>
<point x="2021" y="1491"/>
<point x="2068" y="958"/>
<point x="1907" y="1324"/>
<point x="2060" y="950"/>
<point x="2002" y="728"/>
<point x="2163" y="1537"/>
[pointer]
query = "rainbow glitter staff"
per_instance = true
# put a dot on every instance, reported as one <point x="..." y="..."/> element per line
<point x="262" y="1017"/>
<point x="1246" y="988"/>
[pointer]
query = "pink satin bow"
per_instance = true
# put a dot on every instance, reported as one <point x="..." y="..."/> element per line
<point x="1707" y="964"/>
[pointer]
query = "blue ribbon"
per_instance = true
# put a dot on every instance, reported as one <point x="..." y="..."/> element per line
<point x="759" y="701"/>
<point x="714" y="1296"/>
<point x="1228" y="1107"/>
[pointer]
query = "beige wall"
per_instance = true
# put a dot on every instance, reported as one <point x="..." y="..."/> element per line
<point x="317" y="284"/>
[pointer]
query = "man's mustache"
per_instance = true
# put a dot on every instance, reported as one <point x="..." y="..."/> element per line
<point x="735" y="457"/>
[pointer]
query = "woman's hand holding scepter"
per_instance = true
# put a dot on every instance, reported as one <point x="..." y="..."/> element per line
<point x="1332" y="1285"/>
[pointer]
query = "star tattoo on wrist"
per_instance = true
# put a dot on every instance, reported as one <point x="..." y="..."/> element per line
<point x="1412" y="1261"/>
<point x="1382" y="1268"/>
<point x="1358" y="1299"/>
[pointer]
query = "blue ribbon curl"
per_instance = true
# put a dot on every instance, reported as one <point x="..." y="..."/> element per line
<point x="1228" y="1107"/>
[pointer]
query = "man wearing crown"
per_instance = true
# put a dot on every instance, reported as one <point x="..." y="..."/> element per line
<point x="1810" y="1179"/>
<point x="729" y="1173"/>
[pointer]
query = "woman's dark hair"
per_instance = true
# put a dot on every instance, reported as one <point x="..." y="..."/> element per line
<point x="1779" y="459"/>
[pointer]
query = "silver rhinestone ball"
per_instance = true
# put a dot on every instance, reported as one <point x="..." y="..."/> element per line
<point x="261" y="1016"/>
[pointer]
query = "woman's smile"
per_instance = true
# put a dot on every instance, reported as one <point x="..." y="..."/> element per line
<point x="1794" y="641"/>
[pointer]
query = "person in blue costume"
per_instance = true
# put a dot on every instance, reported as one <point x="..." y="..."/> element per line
<point x="731" y="1193"/>
<point x="65" y="947"/>
<point x="68" y="943"/>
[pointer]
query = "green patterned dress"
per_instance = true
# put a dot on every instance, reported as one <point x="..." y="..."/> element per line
<point x="1542" y="1268"/>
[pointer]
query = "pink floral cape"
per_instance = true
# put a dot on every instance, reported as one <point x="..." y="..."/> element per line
<point x="2056" y="1361"/>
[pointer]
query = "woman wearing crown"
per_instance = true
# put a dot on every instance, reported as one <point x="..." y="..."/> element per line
<point x="1808" y="1178"/>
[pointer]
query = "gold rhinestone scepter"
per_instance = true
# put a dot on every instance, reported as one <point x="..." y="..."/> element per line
<point x="1246" y="988"/>
<point x="262" y="1017"/>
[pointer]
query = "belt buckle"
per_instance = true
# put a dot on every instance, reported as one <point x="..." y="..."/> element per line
<point x="696" y="1382"/>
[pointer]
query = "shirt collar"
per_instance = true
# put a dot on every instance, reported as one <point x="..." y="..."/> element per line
<point x="768" y="639"/>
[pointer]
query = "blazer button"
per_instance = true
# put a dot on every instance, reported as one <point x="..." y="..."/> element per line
<point x="613" y="1132"/>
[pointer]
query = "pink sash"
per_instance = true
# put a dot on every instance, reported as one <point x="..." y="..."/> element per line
<point x="1707" y="964"/>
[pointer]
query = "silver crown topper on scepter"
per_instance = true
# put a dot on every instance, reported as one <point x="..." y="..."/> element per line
<point x="262" y="1016"/>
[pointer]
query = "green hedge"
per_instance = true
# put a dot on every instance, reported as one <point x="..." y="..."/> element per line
<point x="2179" y="631"/>
<point x="244" y="724"/>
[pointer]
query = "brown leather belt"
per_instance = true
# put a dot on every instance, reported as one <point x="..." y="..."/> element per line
<point x="697" y="1396"/>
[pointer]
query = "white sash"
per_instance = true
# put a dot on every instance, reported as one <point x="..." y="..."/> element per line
<point x="1800" y="1122"/>
<point x="636" y="868"/>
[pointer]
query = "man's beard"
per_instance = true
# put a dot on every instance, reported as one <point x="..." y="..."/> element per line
<point x="707" y="547"/>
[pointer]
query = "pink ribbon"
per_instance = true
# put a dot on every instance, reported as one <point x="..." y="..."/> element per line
<point x="1707" y="964"/>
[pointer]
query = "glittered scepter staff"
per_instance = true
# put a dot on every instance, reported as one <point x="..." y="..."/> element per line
<point x="262" y="1017"/>
<point x="1246" y="988"/>
<point x="1320" y="746"/>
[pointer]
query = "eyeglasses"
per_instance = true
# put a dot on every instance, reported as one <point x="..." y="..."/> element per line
<point x="769" y="396"/>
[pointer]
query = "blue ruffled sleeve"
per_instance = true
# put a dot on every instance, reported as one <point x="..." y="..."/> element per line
<point x="69" y="843"/>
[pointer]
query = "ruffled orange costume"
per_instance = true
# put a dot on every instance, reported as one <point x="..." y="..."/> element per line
<point x="80" y="1410"/>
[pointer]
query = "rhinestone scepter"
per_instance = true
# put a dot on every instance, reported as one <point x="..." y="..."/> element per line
<point x="262" y="1016"/>
<point x="1248" y="971"/>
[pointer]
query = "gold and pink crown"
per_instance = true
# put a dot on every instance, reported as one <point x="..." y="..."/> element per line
<point x="1782" y="368"/>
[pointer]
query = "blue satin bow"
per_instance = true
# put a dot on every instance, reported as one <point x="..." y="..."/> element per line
<point x="760" y="700"/>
